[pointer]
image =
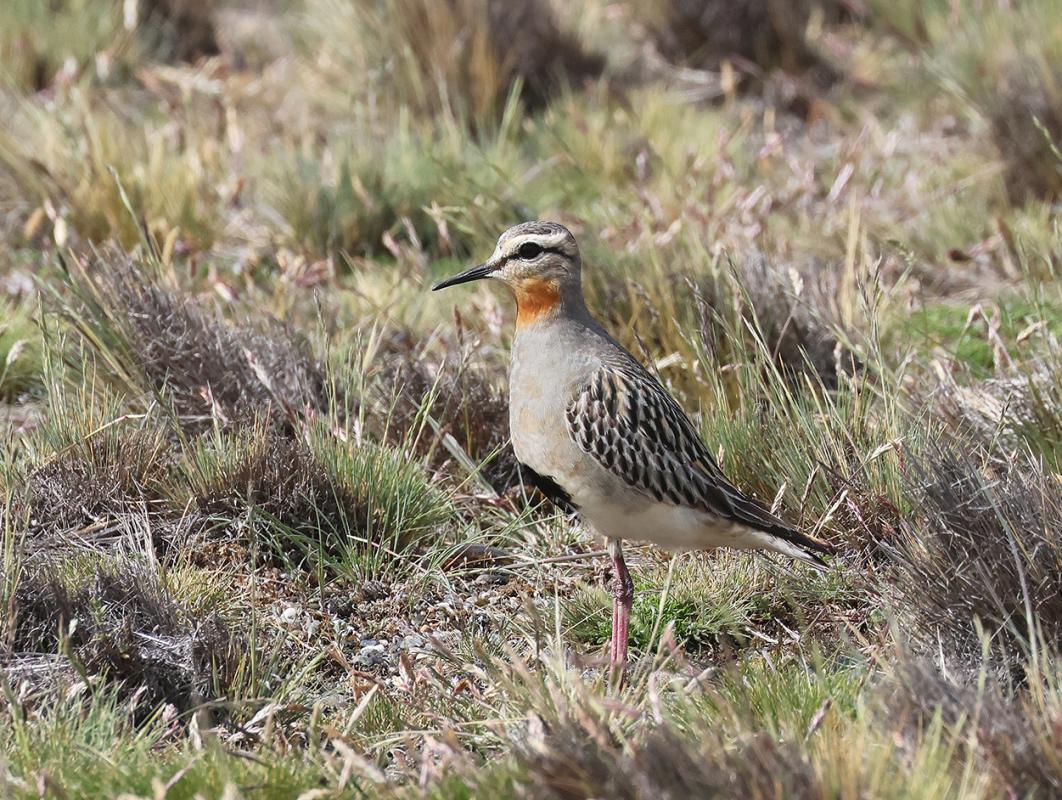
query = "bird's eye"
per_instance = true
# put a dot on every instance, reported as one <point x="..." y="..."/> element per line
<point x="529" y="250"/>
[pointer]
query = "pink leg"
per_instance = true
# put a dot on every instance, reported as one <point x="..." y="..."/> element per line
<point x="612" y="649"/>
<point x="622" y="601"/>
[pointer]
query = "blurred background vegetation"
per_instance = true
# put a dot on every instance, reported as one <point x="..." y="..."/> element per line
<point x="262" y="531"/>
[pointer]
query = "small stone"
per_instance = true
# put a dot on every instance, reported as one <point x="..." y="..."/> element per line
<point x="370" y="656"/>
<point x="375" y="590"/>
<point x="413" y="641"/>
<point x="289" y="614"/>
<point x="491" y="579"/>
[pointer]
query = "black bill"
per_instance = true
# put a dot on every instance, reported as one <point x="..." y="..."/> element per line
<point x="474" y="274"/>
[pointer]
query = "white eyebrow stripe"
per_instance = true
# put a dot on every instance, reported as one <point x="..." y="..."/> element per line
<point x="545" y="241"/>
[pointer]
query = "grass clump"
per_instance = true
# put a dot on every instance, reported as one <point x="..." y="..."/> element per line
<point x="404" y="184"/>
<point x="92" y="487"/>
<point x="88" y="470"/>
<point x="1009" y="727"/>
<point x="984" y="555"/>
<point x="795" y="313"/>
<point x="715" y="744"/>
<point x="712" y="604"/>
<point x="828" y="455"/>
<point x="757" y="38"/>
<point x="20" y="353"/>
<point x="319" y="502"/>
<point x="573" y="762"/>
<point x="119" y="622"/>
<point x="45" y="44"/>
<point x="37" y="41"/>
<point x="179" y="30"/>
<point x="76" y="165"/>
<point x="462" y="59"/>
<point x="1007" y="62"/>
<point x="150" y="340"/>
<point x="447" y="407"/>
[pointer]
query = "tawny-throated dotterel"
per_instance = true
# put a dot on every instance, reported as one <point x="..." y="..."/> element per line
<point x="588" y="420"/>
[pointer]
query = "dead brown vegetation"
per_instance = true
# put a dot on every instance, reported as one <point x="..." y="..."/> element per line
<point x="156" y="341"/>
<point x="120" y="624"/>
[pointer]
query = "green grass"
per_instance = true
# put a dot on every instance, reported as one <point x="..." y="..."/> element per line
<point x="37" y="43"/>
<point x="968" y="334"/>
<point x="20" y="352"/>
<point x="389" y="509"/>
<point x="89" y="151"/>
<point x="87" y="747"/>
<point x="709" y="603"/>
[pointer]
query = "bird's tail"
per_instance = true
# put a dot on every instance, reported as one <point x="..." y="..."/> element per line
<point x="793" y="543"/>
<point x="771" y="533"/>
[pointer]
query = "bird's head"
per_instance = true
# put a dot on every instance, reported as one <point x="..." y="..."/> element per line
<point x="539" y="262"/>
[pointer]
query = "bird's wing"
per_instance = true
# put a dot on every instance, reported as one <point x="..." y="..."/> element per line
<point x="549" y="487"/>
<point x="630" y="425"/>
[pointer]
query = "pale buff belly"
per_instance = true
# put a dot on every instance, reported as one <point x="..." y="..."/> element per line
<point x="605" y="503"/>
<point x="668" y="526"/>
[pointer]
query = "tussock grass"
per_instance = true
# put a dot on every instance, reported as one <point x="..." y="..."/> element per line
<point x="320" y="500"/>
<point x="366" y="194"/>
<point x="118" y="621"/>
<point x="996" y="721"/>
<point x="179" y="29"/>
<point x="20" y="352"/>
<point x="1015" y="85"/>
<point x="667" y="743"/>
<point x="452" y="411"/>
<point x="982" y="558"/>
<point x="74" y="738"/>
<point x="149" y="339"/>
<point x="85" y="468"/>
<point x="91" y="486"/>
<point x="62" y="163"/>
<point x="75" y="40"/>
<point x="461" y="59"/>
<point x="575" y="764"/>
<point x="1004" y="63"/>
<point x="714" y="605"/>
<point x="756" y="37"/>
<point x="37" y="42"/>
<point x="824" y="441"/>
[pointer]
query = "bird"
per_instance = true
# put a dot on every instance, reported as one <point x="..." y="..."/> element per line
<point x="597" y="431"/>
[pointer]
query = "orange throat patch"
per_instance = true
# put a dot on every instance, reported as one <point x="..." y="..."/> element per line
<point x="534" y="299"/>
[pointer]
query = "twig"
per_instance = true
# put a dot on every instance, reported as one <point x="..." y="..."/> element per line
<point x="816" y="721"/>
<point x="562" y="559"/>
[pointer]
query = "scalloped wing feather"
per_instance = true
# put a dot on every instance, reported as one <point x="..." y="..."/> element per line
<point x="627" y="422"/>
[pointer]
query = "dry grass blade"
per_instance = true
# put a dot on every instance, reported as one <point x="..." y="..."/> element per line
<point x="152" y="340"/>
